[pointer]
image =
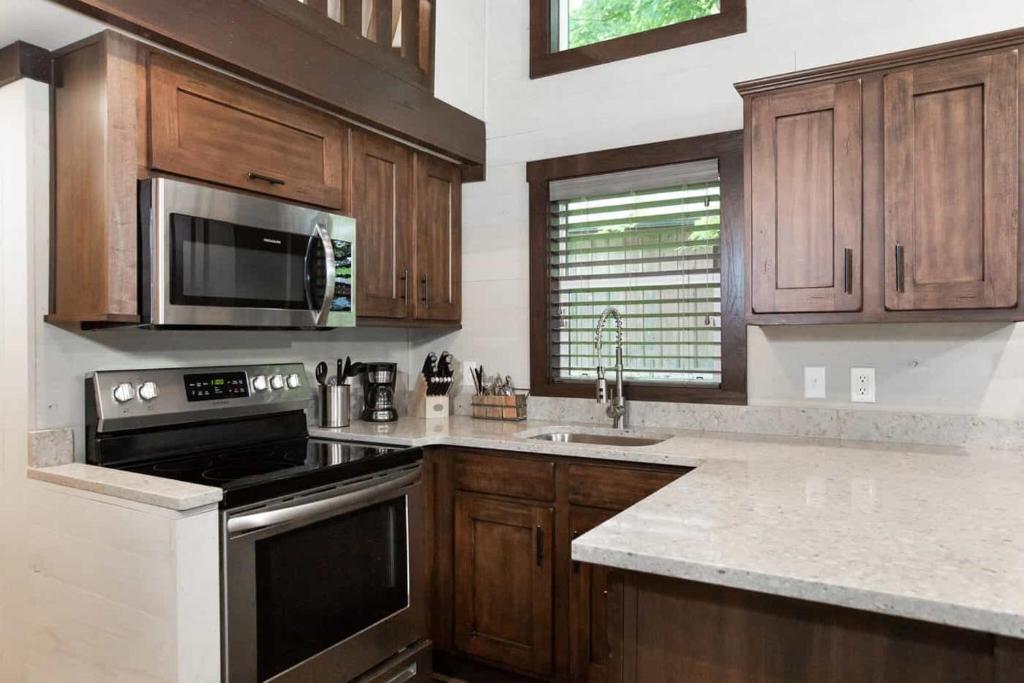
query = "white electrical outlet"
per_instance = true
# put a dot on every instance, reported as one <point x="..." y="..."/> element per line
<point x="814" y="382"/>
<point x="862" y="385"/>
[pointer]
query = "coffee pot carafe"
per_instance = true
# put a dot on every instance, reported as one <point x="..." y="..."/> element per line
<point x="379" y="392"/>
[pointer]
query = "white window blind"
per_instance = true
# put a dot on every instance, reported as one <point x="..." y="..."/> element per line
<point x="647" y="242"/>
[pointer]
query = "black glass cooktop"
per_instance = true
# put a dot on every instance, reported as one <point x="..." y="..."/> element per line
<point x="260" y="472"/>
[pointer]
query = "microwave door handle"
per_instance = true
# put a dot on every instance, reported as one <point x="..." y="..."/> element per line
<point x="360" y="498"/>
<point x="322" y="308"/>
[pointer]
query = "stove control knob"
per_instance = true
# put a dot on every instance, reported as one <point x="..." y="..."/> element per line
<point x="277" y="382"/>
<point x="293" y="381"/>
<point x="124" y="392"/>
<point x="148" y="391"/>
<point x="259" y="383"/>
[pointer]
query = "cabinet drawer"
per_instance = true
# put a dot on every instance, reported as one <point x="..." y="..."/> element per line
<point x="505" y="475"/>
<point x="210" y="127"/>
<point x="615" y="488"/>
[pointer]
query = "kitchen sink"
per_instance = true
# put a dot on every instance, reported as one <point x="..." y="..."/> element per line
<point x="598" y="439"/>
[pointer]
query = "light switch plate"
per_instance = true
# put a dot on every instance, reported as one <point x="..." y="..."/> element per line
<point x="814" y="382"/>
<point x="862" y="385"/>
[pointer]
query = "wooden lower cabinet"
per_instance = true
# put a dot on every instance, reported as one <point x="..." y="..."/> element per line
<point x="672" y="631"/>
<point x="503" y="581"/>
<point x="504" y="590"/>
<point x="588" y="605"/>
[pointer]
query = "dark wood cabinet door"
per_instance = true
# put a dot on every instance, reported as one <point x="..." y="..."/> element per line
<point x="588" y="605"/>
<point x="951" y="183"/>
<point x="438" y="240"/>
<point x="806" y="199"/>
<point x="503" y="582"/>
<point x="210" y="127"/>
<point x="382" y="207"/>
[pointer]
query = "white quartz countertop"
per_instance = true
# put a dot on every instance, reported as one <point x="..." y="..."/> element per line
<point x="922" y="532"/>
<point x="141" y="488"/>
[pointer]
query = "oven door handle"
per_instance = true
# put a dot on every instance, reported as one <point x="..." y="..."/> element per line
<point x="322" y="309"/>
<point x="373" y="492"/>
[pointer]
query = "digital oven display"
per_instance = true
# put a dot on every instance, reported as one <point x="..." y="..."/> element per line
<point x="212" y="386"/>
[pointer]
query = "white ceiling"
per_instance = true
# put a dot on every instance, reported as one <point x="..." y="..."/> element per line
<point x="43" y="23"/>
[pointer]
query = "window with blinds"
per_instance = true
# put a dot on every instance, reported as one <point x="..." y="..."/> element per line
<point x="647" y="242"/>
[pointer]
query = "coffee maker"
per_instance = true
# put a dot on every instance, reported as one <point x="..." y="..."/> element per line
<point x="379" y="392"/>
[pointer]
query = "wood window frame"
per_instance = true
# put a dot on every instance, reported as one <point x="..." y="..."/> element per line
<point x="728" y="149"/>
<point x="731" y="20"/>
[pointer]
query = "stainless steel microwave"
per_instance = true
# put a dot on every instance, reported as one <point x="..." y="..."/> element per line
<point x="212" y="257"/>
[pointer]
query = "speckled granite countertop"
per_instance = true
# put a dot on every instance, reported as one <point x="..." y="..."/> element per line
<point x="928" y="533"/>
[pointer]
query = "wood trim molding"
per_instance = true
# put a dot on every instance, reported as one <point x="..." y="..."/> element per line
<point x="233" y="35"/>
<point x="891" y="61"/>
<point x="728" y="148"/>
<point x="24" y="60"/>
<point x="731" y="20"/>
<point x="310" y="18"/>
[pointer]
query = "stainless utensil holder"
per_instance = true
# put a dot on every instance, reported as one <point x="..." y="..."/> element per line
<point x="335" y="405"/>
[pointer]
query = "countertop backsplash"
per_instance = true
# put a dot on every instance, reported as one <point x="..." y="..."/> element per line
<point x="829" y="423"/>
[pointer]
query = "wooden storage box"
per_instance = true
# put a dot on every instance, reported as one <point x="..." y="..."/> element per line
<point x="510" y="408"/>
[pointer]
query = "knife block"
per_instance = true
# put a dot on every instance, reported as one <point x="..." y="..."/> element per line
<point x="428" y="407"/>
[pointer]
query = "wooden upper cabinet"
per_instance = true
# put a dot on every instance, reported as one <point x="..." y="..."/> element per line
<point x="210" y="127"/>
<point x="438" y="240"/>
<point x="806" y="199"/>
<point x="503" y="582"/>
<point x="951" y="183"/>
<point x="99" y="153"/>
<point x="382" y="207"/>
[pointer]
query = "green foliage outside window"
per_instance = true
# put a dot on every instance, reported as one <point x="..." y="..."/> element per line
<point x="591" y="21"/>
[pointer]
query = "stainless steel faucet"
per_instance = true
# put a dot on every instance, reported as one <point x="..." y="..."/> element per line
<point x="616" y="409"/>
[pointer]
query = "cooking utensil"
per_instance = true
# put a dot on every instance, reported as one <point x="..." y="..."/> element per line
<point x="321" y="373"/>
<point x="341" y="371"/>
<point x="346" y="370"/>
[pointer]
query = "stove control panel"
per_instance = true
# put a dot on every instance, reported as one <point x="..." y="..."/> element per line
<point x="132" y="399"/>
<point x="210" y="386"/>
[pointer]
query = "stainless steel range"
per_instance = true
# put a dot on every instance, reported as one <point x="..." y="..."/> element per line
<point x="322" y="568"/>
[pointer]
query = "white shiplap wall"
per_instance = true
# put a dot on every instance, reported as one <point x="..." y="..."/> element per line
<point x="971" y="368"/>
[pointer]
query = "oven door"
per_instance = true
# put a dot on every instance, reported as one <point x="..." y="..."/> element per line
<point x="218" y="258"/>
<point x="324" y="586"/>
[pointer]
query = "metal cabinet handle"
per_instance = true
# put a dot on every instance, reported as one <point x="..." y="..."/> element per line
<point x="848" y="271"/>
<point x="900" y="279"/>
<point x="539" y="541"/>
<point x="255" y="175"/>
<point x="405" y="286"/>
<point x="426" y="291"/>
<point x="406" y="674"/>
